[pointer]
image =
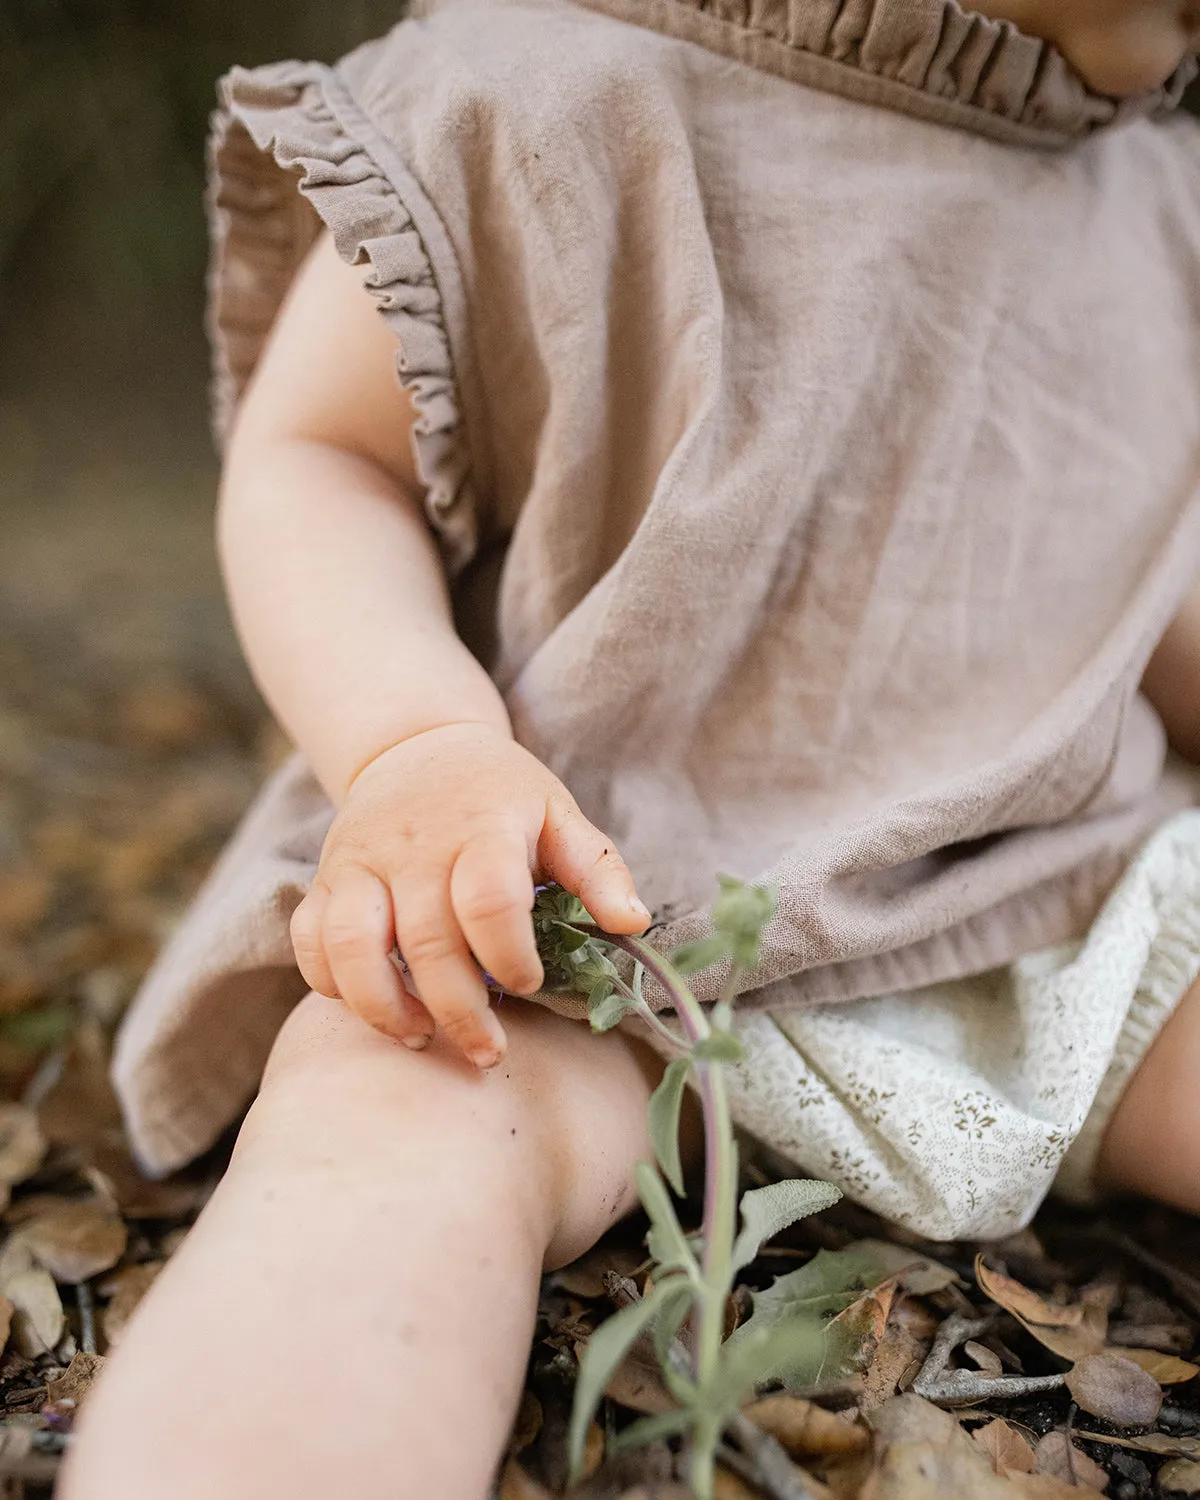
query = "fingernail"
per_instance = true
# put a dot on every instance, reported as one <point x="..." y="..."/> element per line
<point x="484" y="1058"/>
<point x="639" y="908"/>
<point x="416" y="1043"/>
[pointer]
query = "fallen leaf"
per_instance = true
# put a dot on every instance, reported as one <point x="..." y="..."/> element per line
<point x="527" y="1425"/>
<point x="805" y="1429"/>
<point x="1071" y="1330"/>
<point x="517" y="1485"/>
<point x="76" y="1381"/>
<point x="1005" y="1446"/>
<point x="898" y="1358"/>
<point x="37" y="1321"/>
<point x="728" y="1486"/>
<point x="918" y="1274"/>
<point x="1116" y="1389"/>
<point x="925" y="1471"/>
<point x="1043" y="1487"/>
<point x="125" y="1289"/>
<point x="76" y="1241"/>
<point x="1149" y="1442"/>
<point x="1167" y="1369"/>
<point x="912" y="1419"/>
<point x="585" y="1277"/>
<point x="22" y="1144"/>
<point x="1171" y="1338"/>
<point x="637" y="1382"/>
<point x="6" y="1316"/>
<point x="1057" y="1456"/>
<point x="987" y="1362"/>
<point x="1180" y="1476"/>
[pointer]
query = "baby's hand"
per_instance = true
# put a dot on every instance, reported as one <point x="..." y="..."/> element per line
<point x="433" y="853"/>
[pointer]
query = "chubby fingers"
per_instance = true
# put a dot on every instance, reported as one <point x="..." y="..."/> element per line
<point x="344" y="934"/>
<point x="491" y="892"/>
<point x="577" y="855"/>
<point x="443" y="970"/>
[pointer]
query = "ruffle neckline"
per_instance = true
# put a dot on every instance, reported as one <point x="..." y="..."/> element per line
<point x="929" y="58"/>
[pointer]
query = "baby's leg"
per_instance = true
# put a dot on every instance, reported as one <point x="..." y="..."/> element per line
<point x="1152" y="1144"/>
<point x="352" y="1314"/>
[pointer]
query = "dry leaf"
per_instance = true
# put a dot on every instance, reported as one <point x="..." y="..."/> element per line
<point x="898" y="1358"/>
<point x="517" y="1485"/>
<point x="38" y="1321"/>
<point x="1167" y="1369"/>
<point x="74" y="1384"/>
<point x="1007" y="1448"/>
<point x="585" y="1277"/>
<point x="1116" y="1389"/>
<point x="22" y="1144"/>
<point x="6" y="1316"/>
<point x="528" y="1424"/>
<point x="1149" y="1442"/>
<point x="1044" y="1487"/>
<point x="912" y="1419"/>
<point x="805" y="1429"/>
<point x="1180" y="1476"/>
<point x="987" y="1362"/>
<point x="76" y="1241"/>
<point x="1057" y="1456"/>
<point x="727" y="1486"/>
<point x="927" y="1471"/>
<point x="125" y="1289"/>
<point x="1070" y="1331"/>
<point x="1171" y="1338"/>
<point x="637" y="1382"/>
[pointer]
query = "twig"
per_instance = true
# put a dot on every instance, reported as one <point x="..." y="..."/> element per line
<point x="764" y="1462"/>
<point x="1072" y="1477"/>
<point x="963" y="1387"/>
<point x="49" y="1071"/>
<point x="86" y="1304"/>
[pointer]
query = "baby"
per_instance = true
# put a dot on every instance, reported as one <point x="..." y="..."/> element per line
<point x="797" y="419"/>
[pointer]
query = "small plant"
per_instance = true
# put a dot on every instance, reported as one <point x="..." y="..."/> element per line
<point x="691" y="1276"/>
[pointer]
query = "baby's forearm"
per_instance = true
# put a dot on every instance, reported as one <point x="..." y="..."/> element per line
<point x="341" y="603"/>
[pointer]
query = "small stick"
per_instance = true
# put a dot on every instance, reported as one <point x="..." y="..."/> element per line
<point x="86" y="1304"/>
<point x="964" y="1387"/>
<point x="764" y="1462"/>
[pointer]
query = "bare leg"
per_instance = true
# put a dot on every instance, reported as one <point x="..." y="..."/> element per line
<point x="1152" y="1144"/>
<point x="353" y="1312"/>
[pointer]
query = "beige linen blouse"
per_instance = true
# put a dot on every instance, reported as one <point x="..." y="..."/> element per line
<point x="809" y="403"/>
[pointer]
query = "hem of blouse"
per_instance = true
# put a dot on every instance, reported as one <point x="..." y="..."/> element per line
<point x="935" y="61"/>
<point x="291" y="134"/>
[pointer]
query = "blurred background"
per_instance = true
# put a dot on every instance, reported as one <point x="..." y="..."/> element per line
<point x="130" y="735"/>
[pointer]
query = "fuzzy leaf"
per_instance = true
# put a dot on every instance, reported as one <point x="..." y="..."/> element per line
<point x="649" y="1429"/>
<point x="607" y="1008"/>
<point x="793" y="1352"/>
<point x="666" y="1240"/>
<point x="690" y="958"/>
<point x="719" y="1046"/>
<point x="666" y="1102"/>
<point x="740" y="913"/>
<point x="769" y="1210"/>
<point x="569" y="938"/>
<point x="606" y="1348"/>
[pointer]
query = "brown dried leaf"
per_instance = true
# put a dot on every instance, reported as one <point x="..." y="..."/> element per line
<point x="1044" y="1487"/>
<point x="805" y="1429"/>
<point x="22" y="1144"/>
<point x="517" y="1485"/>
<point x="1070" y="1331"/>
<point x="1007" y="1448"/>
<point x="913" y="1420"/>
<point x="74" y="1384"/>
<point x="1116" y="1389"/>
<point x="984" y="1358"/>
<point x="637" y="1382"/>
<point x="1150" y="1442"/>
<point x="1180" y="1476"/>
<point x="585" y="1277"/>
<point x="6" y="1316"/>
<point x="1171" y="1338"/>
<point x="76" y="1241"/>
<point x="38" y="1321"/>
<point x="927" y="1471"/>
<point x="898" y="1359"/>
<point x="1167" y="1369"/>
<point x="527" y="1425"/>
<point x="1057" y="1456"/>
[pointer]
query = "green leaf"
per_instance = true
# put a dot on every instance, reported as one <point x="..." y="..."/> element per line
<point x="40" y="1030"/>
<point x="766" y="1211"/>
<point x="793" y="1353"/>
<point x="719" y="1046"/>
<point x="702" y="954"/>
<point x="570" y="938"/>
<point x="804" y="1305"/>
<point x="665" y="1104"/>
<point x="649" y="1429"/>
<point x="666" y="1240"/>
<point x="740" y="913"/>
<point x="607" y="1007"/>
<point x="606" y="1348"/>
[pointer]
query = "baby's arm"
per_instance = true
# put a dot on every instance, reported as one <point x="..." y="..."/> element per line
<point x="342" y="606"/>
<point x="1172" y="680"/>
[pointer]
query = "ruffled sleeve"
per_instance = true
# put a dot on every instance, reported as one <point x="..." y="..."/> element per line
<point x="291" y="151"/>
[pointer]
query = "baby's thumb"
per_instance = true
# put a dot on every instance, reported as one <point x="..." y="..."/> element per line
<point x="586" y="862"/>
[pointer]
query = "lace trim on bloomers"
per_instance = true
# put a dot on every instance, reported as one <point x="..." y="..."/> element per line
<point x="929" y="58"/>
<point x="296" y="120"/>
